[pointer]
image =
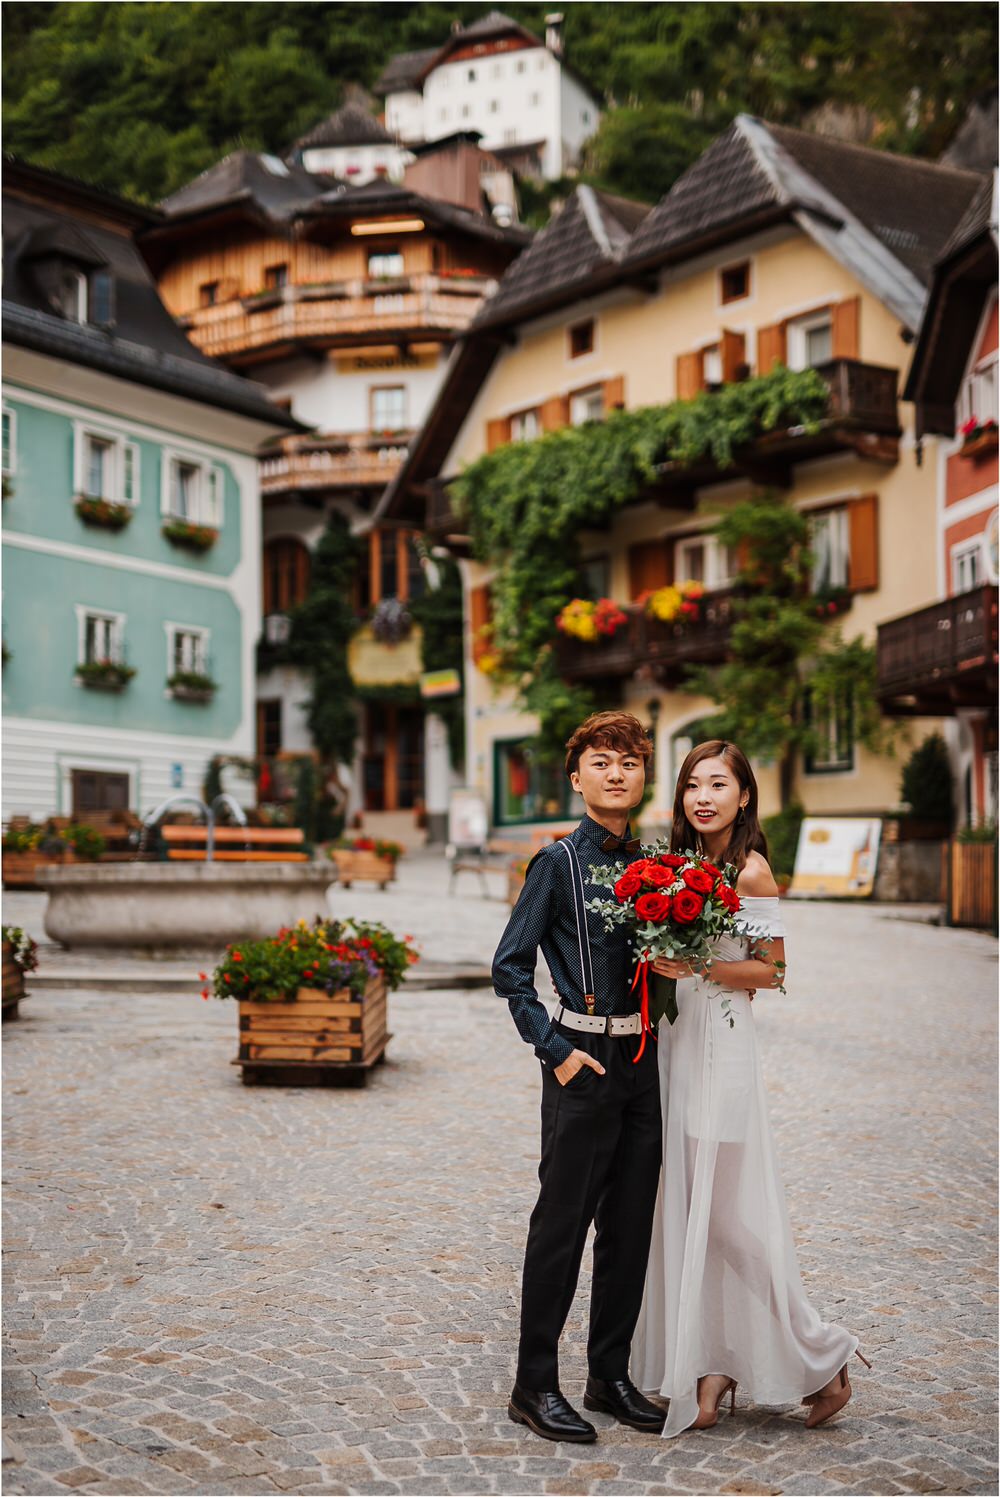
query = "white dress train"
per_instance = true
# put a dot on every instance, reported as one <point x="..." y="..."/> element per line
<point x="723" y="1292"/>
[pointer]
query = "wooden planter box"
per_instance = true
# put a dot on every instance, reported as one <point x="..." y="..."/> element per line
<point x="13" y="982"/>
<point x="20" y="868"/>
<point x="971" y="871"/>
<point x="318" y="1039"/>
<point x="363" y="866"/>
<point x="979" y="447"/>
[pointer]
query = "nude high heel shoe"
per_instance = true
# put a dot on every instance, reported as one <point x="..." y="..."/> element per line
<point x="706" y="1419"/>
<point x="825" y="1405"/>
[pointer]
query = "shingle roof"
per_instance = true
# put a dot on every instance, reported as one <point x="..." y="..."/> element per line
<point x="974" y="221"/>
<point x="349" y="126"/>
<point x="405" y="70"/>
<point x="275" y="187"/>
<point x="390" y="197"/>
<point x="408" y="69"/>
<point x="592" y="230"/>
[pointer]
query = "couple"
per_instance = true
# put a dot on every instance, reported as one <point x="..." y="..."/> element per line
<point x="698" y="1264"/>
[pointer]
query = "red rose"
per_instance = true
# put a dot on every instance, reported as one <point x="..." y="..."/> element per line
<point x="729" y="898"/>
<point x="641" y="864"/>
<point x="656" y="877"/>
<point x="653" y="907"/>
<point x="671" y="860"/>
<point x="630" y="883"/>
<point x="711" y="868"/>
<point x="687" y="906"/>
<point x="699" y="880"/>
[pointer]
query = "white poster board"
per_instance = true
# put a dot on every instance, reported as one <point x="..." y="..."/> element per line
<point x="468" y="819"/>
<point x="836" y="857"/>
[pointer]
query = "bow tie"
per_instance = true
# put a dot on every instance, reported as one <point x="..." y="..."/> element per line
<point x="616" y="844"/>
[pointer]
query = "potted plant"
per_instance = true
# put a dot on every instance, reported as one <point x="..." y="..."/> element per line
<point x="27" y="847"/>
<point x="192" y="686"/>
<point x="371" y="858"/>
<point x="831" y="601"/>
<point x="313" y="999"/>
<point x="104" y="675"/>
<point x="106" y="513"/>
<point x="586" y="620"/>
<point x="190" y="537"/>
<point x="979" y="438"/>
<point x="20" y="955"/>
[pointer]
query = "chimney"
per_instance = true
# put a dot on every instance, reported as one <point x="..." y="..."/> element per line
<point x="553" y="32"/>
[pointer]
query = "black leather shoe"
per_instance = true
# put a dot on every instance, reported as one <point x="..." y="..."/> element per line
<point x="624" y="1401"/>
<point x="549" y="1415"/>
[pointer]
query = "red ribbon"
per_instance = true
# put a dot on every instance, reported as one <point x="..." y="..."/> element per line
<point x="642" y="971"/>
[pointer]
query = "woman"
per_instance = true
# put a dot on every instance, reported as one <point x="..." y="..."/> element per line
<point x="724" y="1302"/>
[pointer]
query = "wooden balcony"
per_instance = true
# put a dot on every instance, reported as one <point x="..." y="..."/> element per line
<point x="941" y="658"/>
<point x="358" y="459"/>
<point x="658" y="650"/>
<point x="336" y="313"/>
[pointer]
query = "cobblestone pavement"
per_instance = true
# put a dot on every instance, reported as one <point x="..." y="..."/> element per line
<point x="213" y="1288"/>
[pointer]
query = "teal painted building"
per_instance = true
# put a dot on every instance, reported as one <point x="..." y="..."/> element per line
<point x="131" y="537"/>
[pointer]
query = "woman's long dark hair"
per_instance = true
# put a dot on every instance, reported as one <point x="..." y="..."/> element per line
<point x="745" y="834"/>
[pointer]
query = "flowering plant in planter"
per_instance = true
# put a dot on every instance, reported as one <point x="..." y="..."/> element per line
<point x="584" y="619"/>
<point x="381" y="847"/>
<point x="974" y="428"/>
<point x="192" y="686"/>
<point x="675" y="604"/>
<point x="830" y="601"/>
<point x="23" y="949"/>
<point x="109" y="675"/>
<point x="104" y="512"/>
<point x="185" y="533"/>
<point x="327" y="956"/>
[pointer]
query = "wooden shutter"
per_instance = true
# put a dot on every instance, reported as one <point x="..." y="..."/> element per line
<point x="846" y="328"/>
<point x="555" y="412"/>
<point x="480" y="616"/>
<point x="650" y="565"/>
<point x="497" y="433"/>
<point x="734" y="355"/>
<point x="690" y="375"/>
<point x="863" y="531"/>
<point x="772" y="347"/>
<point x="614" y="393"/>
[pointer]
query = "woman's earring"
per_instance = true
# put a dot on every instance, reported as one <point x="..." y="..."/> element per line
<point x="743" y="815"/>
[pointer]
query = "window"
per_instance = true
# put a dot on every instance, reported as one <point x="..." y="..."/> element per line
<point x="105" y="466"/>
<point x="208" y="293"/>
<point x="471" y="76"/>
<point x="967" y="565"/>
<point x="382" y="263"/>
<point x="581" y="339"/>
<point x="187" y="649"/>
<point x="466" y="111"/>
<point x="102" y="298"/>
<point x="443" y="115"/>
<point x="494" y="106"/>
<point x="191" y="490"/>
<point x="832" y="730"/>
<point x="830" y="543"/>
<point x="497" y="70"/>
<point x="535" y="100"/>
<point x="285" y="574"/>
<point x="9" y="444"/>
<point x="388" y="406"/>
<point x="584" y="116"/>
<point x="275" y="276"/>
<point x="100" y="636"/>
<point x="810" y="341"/>
<point x="734" y="282"/>
<point x="978" y="396"/>
<point x="702" y="558"/>
<point x="587" y="405"/>
<point x="71" y="294"/>
<point x="595" y="577"/>
<point x="525" y="790"/>
<point x="98" y="482"/>
<point x="711" y="364"/>
<point x="268" y="729"/>
<point x="525" y="426"/>
<point x="522" y="66"/>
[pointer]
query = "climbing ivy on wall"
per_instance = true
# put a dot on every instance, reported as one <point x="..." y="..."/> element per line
<point x="439" y="613"/>
<point x="527" y="503"/>
<point x="322" y="627"/>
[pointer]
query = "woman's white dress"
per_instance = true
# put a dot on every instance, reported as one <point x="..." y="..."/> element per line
<point x="723" y="1292"/>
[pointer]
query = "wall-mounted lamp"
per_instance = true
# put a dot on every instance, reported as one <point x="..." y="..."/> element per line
<point x="388" y="226"/>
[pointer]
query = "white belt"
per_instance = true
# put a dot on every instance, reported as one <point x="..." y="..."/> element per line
<point x="612" y="1024"/>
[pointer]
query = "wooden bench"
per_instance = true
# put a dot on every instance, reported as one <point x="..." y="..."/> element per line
<point x="236" y="844"/>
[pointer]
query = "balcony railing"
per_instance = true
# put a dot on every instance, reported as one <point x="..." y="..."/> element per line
<point x="341" y="460"/>
<point x="942" y="657"/>
<point x="659" y="649"/>
<point x="336" y="311"/>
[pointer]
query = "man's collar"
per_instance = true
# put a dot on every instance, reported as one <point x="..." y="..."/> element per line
<point x="606" y="840"/>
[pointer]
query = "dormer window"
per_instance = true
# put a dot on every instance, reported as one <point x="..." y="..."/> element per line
<point x="102" y="298"/>
<point x="71" y="294"/>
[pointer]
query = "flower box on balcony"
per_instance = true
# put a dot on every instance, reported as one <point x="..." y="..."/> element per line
<point x="104" y="675"/>
<point x="106" y="513"/>
<point x="192" y="686"/>
<point x="191" y="537"/>
<point x="980" y="442"/>
<point x="260" y="301"/>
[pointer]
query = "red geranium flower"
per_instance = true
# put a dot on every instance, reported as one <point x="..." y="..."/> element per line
<point x="699" y="880"/>
<point x="687" y="906"/>
<point x="630" y="883"/>
<point x="657" y="877"/>
<point x="237" y="956"/>
<point x="654" y="907"/>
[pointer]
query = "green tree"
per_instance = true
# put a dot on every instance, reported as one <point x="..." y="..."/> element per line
<point x="322" y="627"/>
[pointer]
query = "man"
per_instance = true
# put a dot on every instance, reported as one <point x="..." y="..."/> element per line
<point x="601" y="1135"/>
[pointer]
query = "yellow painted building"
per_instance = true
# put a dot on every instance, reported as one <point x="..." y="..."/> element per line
<point x="775" y="247"/>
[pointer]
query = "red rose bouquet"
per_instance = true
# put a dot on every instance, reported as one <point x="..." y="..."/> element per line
<point x="676" y="905"/>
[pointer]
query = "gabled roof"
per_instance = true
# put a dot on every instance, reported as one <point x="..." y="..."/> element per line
<point x="276" y="188"/>
<point x="405" y="71"/>
<point x="349" y="126"/>
<point x="383" y="196"/>
<point x="977" y="218"/>
<point x="592" y="230"/>
<point x="885" y="217"/>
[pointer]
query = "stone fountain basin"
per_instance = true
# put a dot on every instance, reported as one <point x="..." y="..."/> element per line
<point x="166" y="907"/>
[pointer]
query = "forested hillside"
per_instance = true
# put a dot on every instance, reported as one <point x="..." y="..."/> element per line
<point x="141" y="97"/>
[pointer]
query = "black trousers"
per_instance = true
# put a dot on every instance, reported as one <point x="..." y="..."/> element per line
<point x="601" y="1151"/>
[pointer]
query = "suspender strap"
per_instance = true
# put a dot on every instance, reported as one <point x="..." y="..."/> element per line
<point x="580" y="911"/>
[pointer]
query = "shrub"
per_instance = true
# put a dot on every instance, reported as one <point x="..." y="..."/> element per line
<point x="782" y="833"/>
<point x="983" y="831"/>
<point x="927" y="782"/>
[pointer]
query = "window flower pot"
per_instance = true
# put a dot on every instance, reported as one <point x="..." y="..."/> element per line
<point x="316" y="1038"/>
<point x="188" y="536"/>
<point x="980" y="443"/>
<point x="103" y="513"/>
<point x="192" y="686"/>
<point x="104" y="675"/>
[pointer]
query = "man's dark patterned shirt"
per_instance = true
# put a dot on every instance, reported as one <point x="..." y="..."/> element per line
<point x="543" y="916"/>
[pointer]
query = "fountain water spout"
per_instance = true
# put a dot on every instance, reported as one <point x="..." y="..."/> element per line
<point x="190" y="800"/>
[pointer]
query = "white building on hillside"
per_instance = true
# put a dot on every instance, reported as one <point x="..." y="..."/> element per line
<point x="498" y="78"/>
